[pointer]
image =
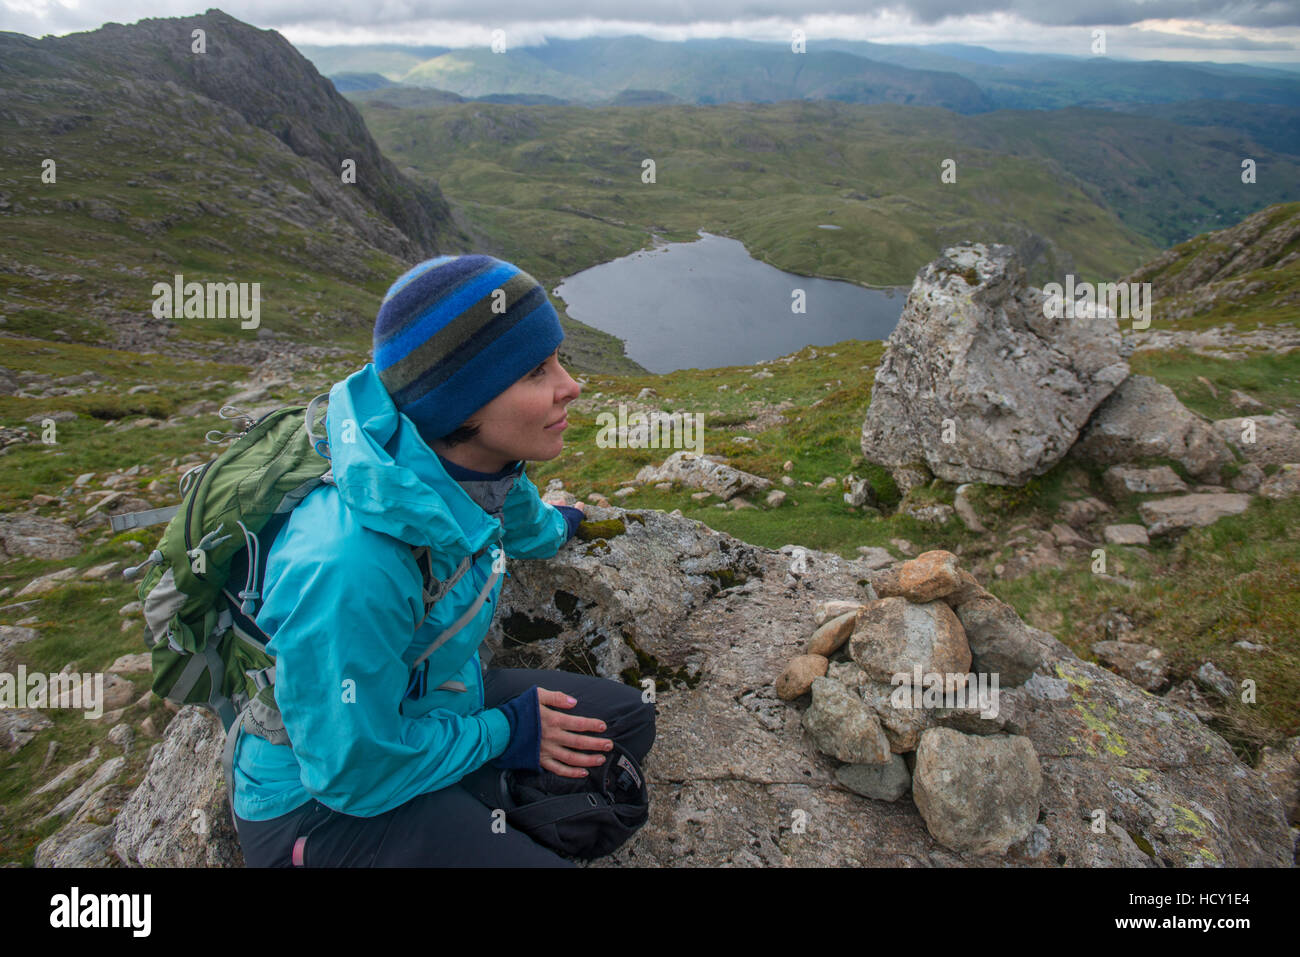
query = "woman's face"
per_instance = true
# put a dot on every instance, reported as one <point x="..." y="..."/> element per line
<point x="527" y="421"/>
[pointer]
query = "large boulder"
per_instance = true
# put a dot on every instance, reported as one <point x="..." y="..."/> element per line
<point x="1143" y="419"/>
<point x="977" y="383"/>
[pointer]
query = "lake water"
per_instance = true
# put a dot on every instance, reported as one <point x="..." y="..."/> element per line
<point x="709" y="303"/>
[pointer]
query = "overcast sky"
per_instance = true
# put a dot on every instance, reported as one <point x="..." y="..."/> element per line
<point x="1240" y="31"/>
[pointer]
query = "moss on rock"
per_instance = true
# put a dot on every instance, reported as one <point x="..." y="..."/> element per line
<point x="604" y="529"/>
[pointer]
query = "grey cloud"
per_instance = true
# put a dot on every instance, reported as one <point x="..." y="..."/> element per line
<point x="1080" y="13"/>
<point x="395" y="14"/>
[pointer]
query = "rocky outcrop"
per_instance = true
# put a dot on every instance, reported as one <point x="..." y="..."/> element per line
<point x="1262" y="439"/>
<point x="179" y="815"/>
<point x="1242" y="264"/>
<point x="704" y="472"/>
<point x="976" y="383"/>
<point x="735" y="775"/>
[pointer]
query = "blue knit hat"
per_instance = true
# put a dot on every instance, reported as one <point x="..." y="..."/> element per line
<point x="455" y="332"/>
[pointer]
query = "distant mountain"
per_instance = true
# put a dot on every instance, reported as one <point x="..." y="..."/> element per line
<point x="644" y="98"/>
<point x="225" y="165"/>
<point x="1165" y="180"/>
<point x="959" y="77"/>
<point x="751" y="72"/>
<point x="598" y="70"/>
<point x="479" y="72"/>
<point x="352" y="82"/>
<point x="390" y="60"/>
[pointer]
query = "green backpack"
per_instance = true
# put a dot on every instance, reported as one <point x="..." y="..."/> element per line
<point x="204" y="577"/>
<point x="205" y="647"/>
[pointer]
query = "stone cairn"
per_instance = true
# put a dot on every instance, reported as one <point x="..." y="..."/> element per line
<point x="893" y="698"/>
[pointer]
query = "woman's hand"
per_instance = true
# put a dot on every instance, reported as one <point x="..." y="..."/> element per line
<point x="555" y="500"/>
<point x="560" y="737"/>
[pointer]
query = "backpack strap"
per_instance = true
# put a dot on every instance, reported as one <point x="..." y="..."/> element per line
<point x="498" y="566"/>
<point x="434" y="589"/>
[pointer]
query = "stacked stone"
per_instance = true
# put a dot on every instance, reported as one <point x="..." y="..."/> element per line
<point x="976" y="786"/>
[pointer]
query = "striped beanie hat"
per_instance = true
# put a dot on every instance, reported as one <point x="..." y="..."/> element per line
<point x="455" y="332"/>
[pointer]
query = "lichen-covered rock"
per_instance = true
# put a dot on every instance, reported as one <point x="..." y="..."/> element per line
<point x="1170" y="783"/>
<point x="611" y="600"/>
<point x="977" y="794"/>
<point x="700" y="471"/>
<point x="977" y="382"/>
<point x="1275" y="439"/>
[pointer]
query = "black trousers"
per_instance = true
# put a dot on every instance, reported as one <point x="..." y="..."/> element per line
<point x="450" y="827"/>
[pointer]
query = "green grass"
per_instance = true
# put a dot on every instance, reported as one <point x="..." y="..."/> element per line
<point x="1271" y="378"/>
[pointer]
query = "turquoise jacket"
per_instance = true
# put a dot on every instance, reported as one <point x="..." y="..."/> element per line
<point x="342" y="596"/>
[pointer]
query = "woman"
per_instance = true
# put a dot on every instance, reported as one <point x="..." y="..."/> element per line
<point x="386" y="716"/>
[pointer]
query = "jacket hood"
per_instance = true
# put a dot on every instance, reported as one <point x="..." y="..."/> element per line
<point x="390" y="478"/>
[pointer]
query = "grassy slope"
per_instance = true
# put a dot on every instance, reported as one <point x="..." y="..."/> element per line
<point x="129" y="209"/>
